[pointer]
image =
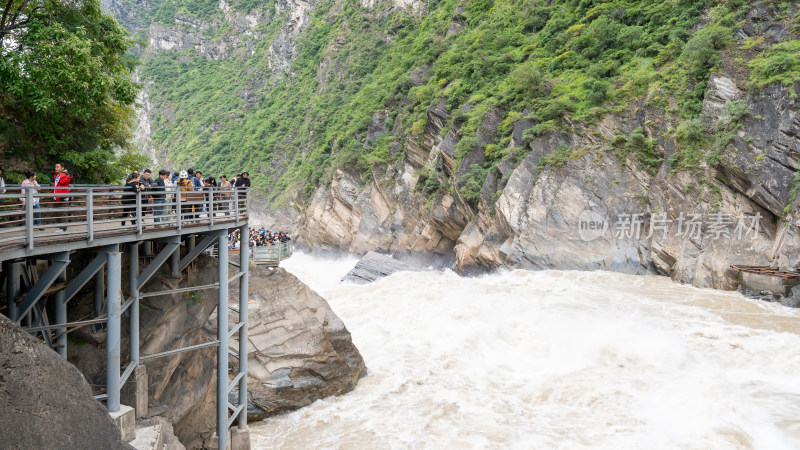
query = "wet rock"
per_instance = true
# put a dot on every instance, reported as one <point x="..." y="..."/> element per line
<point x="374" y="266"/>
<point x="299" y="350"/>
<point x="45" y="401"/>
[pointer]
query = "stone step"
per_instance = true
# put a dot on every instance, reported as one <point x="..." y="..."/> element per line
<point x="125" y="420"/>
<point x="148" y="438"/>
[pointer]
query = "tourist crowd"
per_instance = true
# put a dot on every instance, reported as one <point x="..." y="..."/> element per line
<point x="194" y="193"/>
<point x="157" y="192"/>
<point x="259" y="237"/>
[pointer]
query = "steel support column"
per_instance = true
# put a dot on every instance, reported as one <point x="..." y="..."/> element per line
<point x="114" y="306"/>
<point x="61" y="316"/>
<point x="133" y="288"/>
<point x="13" y="271"/>
<point x="222" y="337"/>
<point x="175" y="263"/>
<point x="244" y="264"/>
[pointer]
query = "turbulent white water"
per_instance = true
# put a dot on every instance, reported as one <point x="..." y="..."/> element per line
<point x="552" y="359"/>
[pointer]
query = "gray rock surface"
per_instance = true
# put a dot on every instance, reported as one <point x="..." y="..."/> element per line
<point x="299" y="350"/>
<point x="44" y="401"/>
<point x="374" y="266"/>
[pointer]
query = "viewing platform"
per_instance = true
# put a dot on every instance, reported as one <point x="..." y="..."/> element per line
<point x="154" y="232"/>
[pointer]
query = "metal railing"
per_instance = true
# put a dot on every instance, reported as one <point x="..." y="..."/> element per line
<point x="31" y="215"/>
<point x="264" y="254"/>
<point x="272" y="254"/>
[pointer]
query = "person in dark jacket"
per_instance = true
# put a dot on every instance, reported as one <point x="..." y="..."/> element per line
<point x="157" y="188"/>
<point x="132" y="187"/>
<point x="243" y="181"/>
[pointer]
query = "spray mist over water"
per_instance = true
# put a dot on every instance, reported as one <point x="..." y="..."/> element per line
<point x="551" y="359"/>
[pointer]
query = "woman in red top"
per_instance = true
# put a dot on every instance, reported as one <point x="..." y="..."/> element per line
<point x="60" y="185"/>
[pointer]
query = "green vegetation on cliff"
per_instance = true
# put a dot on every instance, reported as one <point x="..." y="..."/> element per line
<point x="65" y="90"/>
<point x="363" y="79"/>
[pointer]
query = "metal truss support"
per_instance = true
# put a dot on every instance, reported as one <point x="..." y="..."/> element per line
<point x="59" y="264"/>
<point x="195" y="250"/>
<point x="169" y="250"/>
<point x="86" y="274"/>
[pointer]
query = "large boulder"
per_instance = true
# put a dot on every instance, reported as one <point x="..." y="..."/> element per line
<point x="299" y="350"/>
<point x="45" y="401"/>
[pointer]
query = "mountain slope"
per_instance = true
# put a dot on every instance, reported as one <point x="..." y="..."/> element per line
<point x="481" y="129"/>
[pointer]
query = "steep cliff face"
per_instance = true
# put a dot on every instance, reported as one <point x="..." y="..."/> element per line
<point x="384" y="126"/>
<point x="530" y="216"/>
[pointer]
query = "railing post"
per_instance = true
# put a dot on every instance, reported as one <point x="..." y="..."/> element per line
<point x="211" y="204"/>
<point x="29" y="217"/>
<point x="90" y="214"/>
<point x="246" y="200"/>
<point x="138" y="212"/>
<point x="236" y="201"/>
<point x="178" y="205"/>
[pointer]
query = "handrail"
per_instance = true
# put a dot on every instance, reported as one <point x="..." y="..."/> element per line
<point x="264" y="254"/>
<point x="33" y="216"/>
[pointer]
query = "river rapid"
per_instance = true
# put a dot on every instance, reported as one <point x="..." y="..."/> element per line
<point x="551" y="359"/>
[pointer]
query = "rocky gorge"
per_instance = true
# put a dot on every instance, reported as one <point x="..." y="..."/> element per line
<point x="483" y="185"/>
<point x="299" y="351"/>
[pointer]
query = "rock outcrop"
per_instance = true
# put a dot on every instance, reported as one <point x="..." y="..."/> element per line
<point x="373" y="266"/>
<point x="45" y="401"/>
<point x="299" y="350"/>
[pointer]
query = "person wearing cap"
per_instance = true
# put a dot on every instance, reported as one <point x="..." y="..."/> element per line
<point x="185" y="187"/>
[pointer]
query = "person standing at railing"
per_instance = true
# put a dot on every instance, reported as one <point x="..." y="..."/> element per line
<point x="157" y="189"/>
<point x="147" y="198"/>
<point x="60" y="185"/>
<point x="169" y="197"/>
<point x="185" y="187"/>
<point x="225" y="196"/>
<point x="132" y="187"/>
<point x="30" y="184"/>
<point x="243" y="180"/>
<point x="2" y="182"/>
<point x="241" y="183"/>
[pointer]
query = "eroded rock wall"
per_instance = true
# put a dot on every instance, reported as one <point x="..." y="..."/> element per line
<point x="528" y="212"/>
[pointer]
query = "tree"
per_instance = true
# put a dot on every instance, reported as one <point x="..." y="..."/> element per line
<point x="65" y="86"/>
